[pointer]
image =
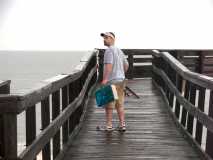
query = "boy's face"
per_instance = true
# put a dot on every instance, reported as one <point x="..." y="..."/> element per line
<point x="108" y="41"/>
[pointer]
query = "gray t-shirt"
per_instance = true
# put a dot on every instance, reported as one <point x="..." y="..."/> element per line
<point x="115" y="56"/>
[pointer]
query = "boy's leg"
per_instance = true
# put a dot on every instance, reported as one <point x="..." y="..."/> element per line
<point x="109" y="111"/>
<point x="120" y="104"/>
<point x="121" y="115"/>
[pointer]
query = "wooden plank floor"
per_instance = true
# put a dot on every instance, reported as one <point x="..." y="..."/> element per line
<point x="151" y="133"/>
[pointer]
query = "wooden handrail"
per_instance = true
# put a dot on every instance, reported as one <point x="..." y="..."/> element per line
<point x="4" y="83"/>
<point x="206" y="121"/>
<point x="180" y="87"/>
<point x="74" y="88"/>
<point x="51" y="130"/>
<point x="199" y="79"/>
<point x="43" y="89"/>
<point x="199" y="61"/>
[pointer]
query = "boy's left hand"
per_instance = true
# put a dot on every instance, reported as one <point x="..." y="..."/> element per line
<point x="104" y="82"/>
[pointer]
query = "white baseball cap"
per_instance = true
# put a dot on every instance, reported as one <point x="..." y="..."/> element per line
<point x="109" y="34"/>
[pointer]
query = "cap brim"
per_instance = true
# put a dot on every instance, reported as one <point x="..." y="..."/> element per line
<point x="107" y="35"/>
<point x="102" y="34"/>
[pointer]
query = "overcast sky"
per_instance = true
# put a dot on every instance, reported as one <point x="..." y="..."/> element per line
<point x="76" y="24"/>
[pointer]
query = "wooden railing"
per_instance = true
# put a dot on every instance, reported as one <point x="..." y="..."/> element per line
<point x="140" y="63"/>
<point x="199" y="61"/>
<point x="187" y="94"/>
<point x="4" y="89"/>
<point x="63" y="100"/>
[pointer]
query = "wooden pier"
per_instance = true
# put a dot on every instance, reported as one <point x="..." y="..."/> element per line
<point x="169" y="121"/>
<point x="151" y="132"/>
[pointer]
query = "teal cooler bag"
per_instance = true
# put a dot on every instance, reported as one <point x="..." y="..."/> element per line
<point x="105" y="95"/>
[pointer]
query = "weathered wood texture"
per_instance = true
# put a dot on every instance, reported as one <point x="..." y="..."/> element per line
<point x="187" y="108"/>
<point x="4" y="129"/>
<point x="58" y="110"/>
<point x="151" y="133"/>
<point x="200" y="61"/>
<point x="5" y="87"/>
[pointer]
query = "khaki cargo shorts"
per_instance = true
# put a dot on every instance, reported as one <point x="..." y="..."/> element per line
<point x="120" y="90"/>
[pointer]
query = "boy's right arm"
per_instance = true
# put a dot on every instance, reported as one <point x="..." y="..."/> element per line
<point x="126" y="64"/>
<point x="126" y="67"/>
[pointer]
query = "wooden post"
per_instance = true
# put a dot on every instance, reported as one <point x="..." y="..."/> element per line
<point x="172" y="74"/>
<point x="201" y="63"/>
<point x="10" y="136"/>
<point x="96" y="75"/>
<point x="186" y="95"/>
<point x="30" y="125"/>
<point x="1" y="136"/>
<point x="201" y="103"/>
<point x="166" y="70"/>
<point x="209" y="140"/>
<point x="74" y="117"/>
<point x="192" y="101"/>
<point x="55" y="113"/>
<point x="80" y="84"/>
<point x="157" y="62"/>
<point x="161" y="66"/>
<point x="101" y="65"/>
<point x="179" y="87"/>
<point x="131" y="67"/>
<point x="5" y="89"/>
<point x="45" y="121"/>
<point x="153" y="74"/>
<point x="72" y="94"/>
<point x="65" y="131"/>
<point x="94" y="78"/>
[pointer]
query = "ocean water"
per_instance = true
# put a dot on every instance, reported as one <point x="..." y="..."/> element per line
<point x="26" y="68"/>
